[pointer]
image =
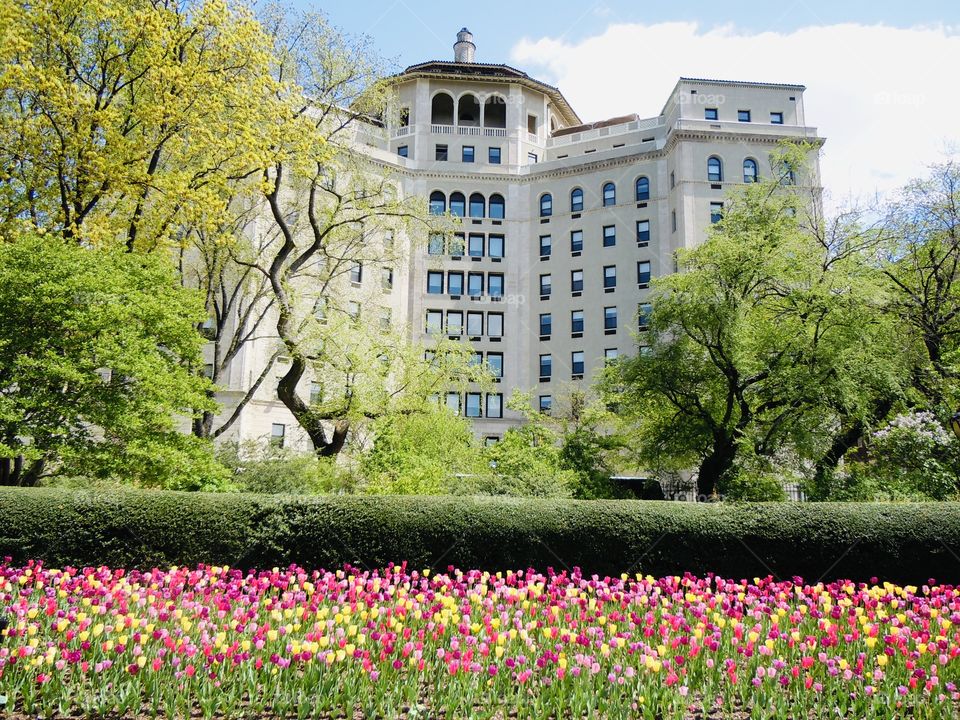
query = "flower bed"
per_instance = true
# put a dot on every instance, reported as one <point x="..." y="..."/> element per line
<point x="397" y="642"/>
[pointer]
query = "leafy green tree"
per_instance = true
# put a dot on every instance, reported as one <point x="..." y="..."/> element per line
<point x="259" y="468"/>
<point x="767" y="341"/>
<point x="423" y="453"/>
<point x="96" y="351"/>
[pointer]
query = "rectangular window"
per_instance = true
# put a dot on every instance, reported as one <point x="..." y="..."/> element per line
<point x="454" y="322"/>
<point x="493" y="155"/>
<point x="743" y="116"/>
<point x="576" y="241"/>
<point x="609" y="277"/>
<point x="356" y="273"/>
<point x="576" y="362"/>
<point x="467" y="153"/>
<point x="453" y="402"/>
<point x="545" y="246"/>
<point x="475" y="246"/>
<point x="403" y="151"/>
<point x="278" y="434"/>
<point x="710" y="114"/>
<point x="353" y="310"/>
<point x="576" y="321"/>
<point x="457" y="245"/>
<point x="716" y="212"/>
<point x="475" y="284"/>
<point x="320" y="310"/>
<point x="643" y="231"/>
<point x="609" y="318"/>
<point x="673" y="220"/>
<point x="385" y="319"/>
<point x="434" y="282"/>
<point x="546" y="402"/>
<point x="474" y="324"/>
<point x="643" y="272"/>
<point x="546" y="323"/>
<point x="495" y="246"/>
<point x="532" y="158"/>
<point x="441" y="153"/>
<point x="494" y="405"/>
<point x="495" y="284"/>
<point x="473" y="405"/>
<point x="673" y="180"/>
<point x="546" y="285"/>
<point x="611" y="354"/>
<point x="434" y="321"/>
<point x="546" y="366"/>
<point x="435" y="244"/>
<point x="776" y="118"/>
<point x="609" y="235"/>
<point x="643" y="316"/>
<point x="491" y="440"/>
<point x="576" y="281"/>
<point x="495" y="364"/>
<point x="495" y="325"/>
<point x="455" y="283"/>
<point x="476" y="360"/>
<point x="386" y="279"/>
<point x="316" y="393"/>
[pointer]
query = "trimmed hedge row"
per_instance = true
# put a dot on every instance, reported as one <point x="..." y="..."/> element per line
<point x="130" y="528"/>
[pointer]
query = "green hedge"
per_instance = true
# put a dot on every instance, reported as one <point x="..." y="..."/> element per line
<point x="901" y="542"/>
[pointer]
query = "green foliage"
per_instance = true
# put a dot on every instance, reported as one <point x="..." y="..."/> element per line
<point x="96" y="350"/>
<point x="525" y="462"/>
<point x="906" y="542"/>
<point x="420" y="453"/>
<point x="258" y="468"/>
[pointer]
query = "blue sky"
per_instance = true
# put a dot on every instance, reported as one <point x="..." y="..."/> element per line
<point x="408" y="32"/>
<point x="880" y="75"/>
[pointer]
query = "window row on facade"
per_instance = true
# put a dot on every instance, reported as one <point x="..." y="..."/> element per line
<point x="468" y="111"/>
<point x="477" y="206"/>
<point x="472" y="406"/>
<point x="608" y="239"/>
<point x="608" y="196"/>
<point x="357" y="275"/>
<point x="468" y="153"/>
<point x="577" y="323"/>
<point x="493" y="361"/>
<point x="478" y="324"/>
<point x="712" y="113"/>
<point x="477" y="283"/>
<point x="475" y="245"/>
<point x="609" y="279"/>
<point x="751" y="171"/>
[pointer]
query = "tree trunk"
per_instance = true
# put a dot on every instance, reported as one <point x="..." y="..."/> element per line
<point x="715" y="466"/>
<point x="309" y="420"/>
<point x="842" y="443"/>
<point x="14" y="472"/>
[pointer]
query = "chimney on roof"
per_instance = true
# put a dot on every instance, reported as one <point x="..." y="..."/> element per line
<point x="463" y="48"/>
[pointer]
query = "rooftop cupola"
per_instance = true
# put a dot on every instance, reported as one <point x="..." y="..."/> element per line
<point x="463" y="48"/>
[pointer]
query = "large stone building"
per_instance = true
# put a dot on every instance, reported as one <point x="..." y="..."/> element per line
<point x="564" y="223"/>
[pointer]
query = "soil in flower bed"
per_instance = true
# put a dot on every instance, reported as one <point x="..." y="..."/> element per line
<point x="216" y="642"/>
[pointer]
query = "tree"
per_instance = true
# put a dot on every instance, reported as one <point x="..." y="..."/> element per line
<point x="337" y="218"/>
<point x="96" y="351"/>
<point x="760" y="346"/>
<point x="424" y="453"/>
<point x="123" y="121"/>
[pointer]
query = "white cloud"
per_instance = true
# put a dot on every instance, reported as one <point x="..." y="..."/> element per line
<point x="885" y="98"/>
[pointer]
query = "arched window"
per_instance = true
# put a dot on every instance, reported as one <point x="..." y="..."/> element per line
<point x="576" y="200"/>
<point x="438" y="203"/>
<point x="497" y="208"/>
<point x="643" y="188"/>
<point x="458" y="204"/>
<point x="477" y="205"/>
<point x="714" y="169"/>
<point x="441" y="109"/>
<point x="750" y="172"/>
<point x="546" y="205"/>
<point x="468" y="111"/>
<point x="609" y="194"/>
<point x="495" y="112"/>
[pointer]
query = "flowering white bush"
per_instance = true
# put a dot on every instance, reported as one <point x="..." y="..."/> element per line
<point x="915" y="456"/>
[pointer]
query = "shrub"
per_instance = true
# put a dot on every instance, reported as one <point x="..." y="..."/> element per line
<point x="131" y="528"/>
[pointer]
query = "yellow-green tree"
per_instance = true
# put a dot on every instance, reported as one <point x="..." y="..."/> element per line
<point x="123" y="121"/>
